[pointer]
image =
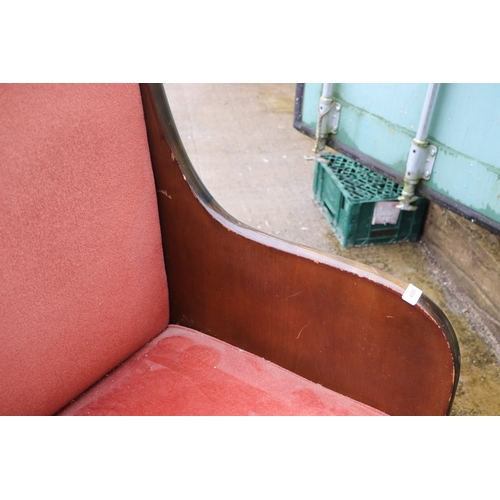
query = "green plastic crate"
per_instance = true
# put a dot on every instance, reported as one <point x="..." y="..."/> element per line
<point x="360" y="204"/>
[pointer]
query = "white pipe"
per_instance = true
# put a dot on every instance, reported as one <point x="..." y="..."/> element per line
<point x="427" y="111"/>
<point x="323" y="127"/>
<point x="327" y="90"/>
<point x="418" y="157"/>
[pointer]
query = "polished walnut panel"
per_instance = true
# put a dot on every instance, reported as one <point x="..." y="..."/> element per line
<point x="328" y="319"/>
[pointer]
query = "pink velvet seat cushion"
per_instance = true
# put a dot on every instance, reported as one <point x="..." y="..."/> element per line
<point x="83" y="282"/>
<point x="185" y="372"/>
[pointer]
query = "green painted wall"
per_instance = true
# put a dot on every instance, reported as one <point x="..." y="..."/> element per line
<point x="380" y="120"/>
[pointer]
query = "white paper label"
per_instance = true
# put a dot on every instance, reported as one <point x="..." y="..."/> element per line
<point x="412" y="294"/>
<point x="385" y="212"/>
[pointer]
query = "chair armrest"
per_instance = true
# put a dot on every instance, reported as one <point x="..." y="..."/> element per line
<point x="333" y="321"/>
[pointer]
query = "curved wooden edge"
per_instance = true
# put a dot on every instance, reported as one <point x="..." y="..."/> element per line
<point x="334" y="321"/>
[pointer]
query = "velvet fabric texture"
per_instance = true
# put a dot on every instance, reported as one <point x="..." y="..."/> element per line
<point x="185" y="372"/>
<point x="83" y="277"/>
<point x="82" y="272"/>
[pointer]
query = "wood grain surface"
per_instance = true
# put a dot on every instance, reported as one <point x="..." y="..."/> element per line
<point x="328" y="319"/>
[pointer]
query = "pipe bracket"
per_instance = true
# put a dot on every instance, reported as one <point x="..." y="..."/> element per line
<point x="328" y="122"/>
<point x="335" y="118"/>
<point x="420" y="163"/>
<point x="421" y="160"/>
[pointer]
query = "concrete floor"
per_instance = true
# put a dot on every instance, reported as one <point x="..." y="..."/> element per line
<point x="241" y="140"/>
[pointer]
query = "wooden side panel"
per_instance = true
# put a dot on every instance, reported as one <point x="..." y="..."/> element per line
<point x="333" y="321"/>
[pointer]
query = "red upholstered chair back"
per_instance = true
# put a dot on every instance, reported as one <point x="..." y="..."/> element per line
<point x="82" y="272"/>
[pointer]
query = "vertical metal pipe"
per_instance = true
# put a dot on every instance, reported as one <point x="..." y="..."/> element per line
<point x="323" y="127"/>
<point x="427" y="111"/>
<point x="421" y="156"/>
<point x="327" y="90"/>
